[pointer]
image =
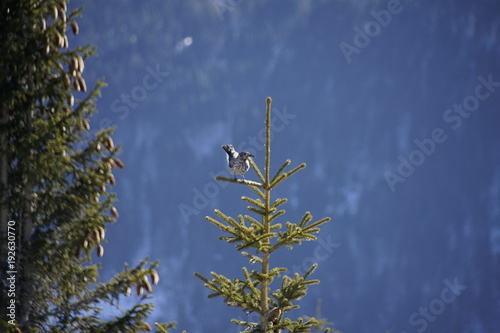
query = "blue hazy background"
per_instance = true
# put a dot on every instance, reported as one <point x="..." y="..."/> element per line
<point x="354" y="84"/>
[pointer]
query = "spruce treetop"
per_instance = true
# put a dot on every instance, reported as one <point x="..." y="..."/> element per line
<point x="256" y="236"/>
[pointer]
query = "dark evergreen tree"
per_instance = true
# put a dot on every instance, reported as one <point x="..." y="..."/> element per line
<point x="264" y="235"/>
<point x="55" y="181"/>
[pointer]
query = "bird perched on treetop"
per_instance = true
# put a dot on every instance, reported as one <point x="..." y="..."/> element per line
<point x="237" y="162"/>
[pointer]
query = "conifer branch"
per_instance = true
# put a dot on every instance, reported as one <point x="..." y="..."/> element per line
<point x="306" y="218"/>
<point x="313" y="227"/>
<point x="275" y="215"/>
<point x="254" y="202"/>
<point x="258" y="242"/>
<point x="256" y="169"/>
<point x="241" y="218"/>
<point x="257" y="210"/>
<point x="280" y="170"/>
<point x="163" y="327"/>
<point x="229" y="220"/>
<point x="253" y="258"/>
<point x="202" y="278"/>
<point x="249" y="280"/>
<point x="278" y="180"/>
<point x="278" y="202"/>
<point x="294" y="170"/>
<point x="239" y="181"/>
<point x="254" y="222"/>
<point x="276" y="226"/>
<point x="310" y="271"/>
<point x="217" y="223"/>
<point x="256" y="190"/>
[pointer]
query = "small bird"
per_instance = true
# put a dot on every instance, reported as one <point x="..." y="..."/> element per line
<point x="237" y="162"/>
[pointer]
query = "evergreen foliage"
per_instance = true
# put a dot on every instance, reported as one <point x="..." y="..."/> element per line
<point x="262" y="237"/>
<point x="55" y="182"/>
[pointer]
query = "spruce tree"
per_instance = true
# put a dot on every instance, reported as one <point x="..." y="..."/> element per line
<point x="55" y="184"/>
<point x="263" y="236"/>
